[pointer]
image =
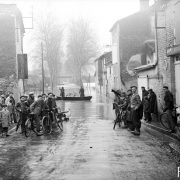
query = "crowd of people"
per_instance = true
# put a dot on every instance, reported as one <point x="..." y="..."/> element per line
<point x="133" y="108"/>
<point x="13" y="113"/>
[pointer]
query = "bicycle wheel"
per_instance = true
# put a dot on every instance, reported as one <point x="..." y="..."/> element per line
<point x="59" y="123"/>
<point x="46" y="125"/>
<point x="28" y="128"/>
<point x="165" y="121"/>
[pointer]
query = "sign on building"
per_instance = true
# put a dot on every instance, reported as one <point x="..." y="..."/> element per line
<point x="22" y="66"/>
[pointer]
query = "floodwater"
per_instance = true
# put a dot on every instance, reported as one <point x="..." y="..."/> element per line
<point x="88" y="148"/>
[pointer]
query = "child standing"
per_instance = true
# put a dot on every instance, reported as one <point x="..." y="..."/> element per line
<point x="5" y="120"/>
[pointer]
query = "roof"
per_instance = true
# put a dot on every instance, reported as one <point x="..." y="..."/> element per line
<point x="12" y="9"/>
<point x="161" y="4"/>
<point x="107" y="56"/>
<point x="144" y="67"/>
<point x="131" y="17"/>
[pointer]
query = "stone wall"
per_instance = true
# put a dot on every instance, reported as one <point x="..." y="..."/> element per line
<point x="134" y="30"/>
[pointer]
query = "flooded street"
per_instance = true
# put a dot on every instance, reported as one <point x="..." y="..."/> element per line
<point x="88" y="148"/>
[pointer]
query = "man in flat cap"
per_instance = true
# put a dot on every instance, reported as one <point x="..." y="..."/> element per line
<point x="23" y="110"/>
<point x="31" y="98"/>
<point x="169" y="106"/>
<point x="135" y="114"/>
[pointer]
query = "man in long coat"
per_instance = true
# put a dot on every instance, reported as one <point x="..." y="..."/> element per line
<point x="136" y="111"/>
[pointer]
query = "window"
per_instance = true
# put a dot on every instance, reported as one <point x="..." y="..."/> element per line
<point x="177" y="58"/>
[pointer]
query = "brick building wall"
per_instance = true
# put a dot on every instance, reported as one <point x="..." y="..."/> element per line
<point x="166" y="39"/>
<point x="164" y="72"/>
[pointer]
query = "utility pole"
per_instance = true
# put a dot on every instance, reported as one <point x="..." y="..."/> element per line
<point x="42" y="67"/>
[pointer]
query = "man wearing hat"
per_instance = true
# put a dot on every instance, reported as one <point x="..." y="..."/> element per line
<point x="30" y="99"/>
<point x="135" y="114"/>
<point x="23" y="109"/>
<point x="169" y="106"/>
<point x="37" y="108"/>
<point x="153" y="103"/>
<point x="50" y="103"/>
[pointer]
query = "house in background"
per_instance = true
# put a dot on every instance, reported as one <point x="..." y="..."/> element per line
<point x="104" y="73"/>
<point x="128" y="36"/>
<point x="108" y="77"/>
<point x="165" y="70"/>
<point x="11" y="44"/>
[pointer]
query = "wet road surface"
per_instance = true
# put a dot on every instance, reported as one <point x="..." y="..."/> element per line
<point x="88" y="148"/>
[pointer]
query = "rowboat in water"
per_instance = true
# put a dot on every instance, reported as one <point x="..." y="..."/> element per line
<point x="68" y="98"/>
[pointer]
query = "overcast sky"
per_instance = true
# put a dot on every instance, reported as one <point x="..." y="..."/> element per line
<point x="101" y="13"/>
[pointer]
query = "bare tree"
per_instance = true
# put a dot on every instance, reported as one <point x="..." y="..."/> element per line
<point x="81" y="47"/>
<point x="50" y="33"/>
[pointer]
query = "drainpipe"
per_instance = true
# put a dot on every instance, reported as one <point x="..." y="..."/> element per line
<point x="156" y="38"/>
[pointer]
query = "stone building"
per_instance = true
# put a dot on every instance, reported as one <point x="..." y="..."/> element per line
<point x="128" y="36"/>
<point x="11" y="44"/>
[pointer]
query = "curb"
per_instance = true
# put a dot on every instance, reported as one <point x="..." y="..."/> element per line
<point x="161" y="130"/>
<point x="173" y="138"/>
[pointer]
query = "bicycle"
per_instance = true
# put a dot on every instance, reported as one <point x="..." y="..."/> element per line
<point x="164" y="120"/>
<point x="47" y="122"/>
<point x="59" y="118"/>
<point x="30" y="126"/>
<point x="120" y="116"/>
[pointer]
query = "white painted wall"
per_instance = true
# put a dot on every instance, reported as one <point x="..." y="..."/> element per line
<point x="19" y="50"/>
<point x="177" y="82"/>
<point x="115" y="57"/>
<point x="142" y="81"/>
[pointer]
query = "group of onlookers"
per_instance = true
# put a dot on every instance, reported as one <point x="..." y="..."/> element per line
<point x="131" y="108"/>
<point x="10" y="112"/>
<point x="135" y="108"/>
<point x="37" y="107"/>
<point x="149" y="101"/>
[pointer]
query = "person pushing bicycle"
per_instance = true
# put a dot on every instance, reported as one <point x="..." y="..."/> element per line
<point x="37" y="108"/>
<point x="50" y="103"/>
<point x="23" y="110"/>
<point x="123" y="107"/>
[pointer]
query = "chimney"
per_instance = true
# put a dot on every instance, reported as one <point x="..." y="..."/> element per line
<point x="144" y="5"/>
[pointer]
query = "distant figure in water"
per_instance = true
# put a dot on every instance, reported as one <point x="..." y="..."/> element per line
<point x="62" y="94"/>
<point x="81" y="91"/>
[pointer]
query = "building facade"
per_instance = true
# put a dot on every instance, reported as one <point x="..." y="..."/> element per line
<point x="167" y="69"/>
<point x="104" y="74"/>
<point x="11" y="44"/>
<point x="131" y="33"/>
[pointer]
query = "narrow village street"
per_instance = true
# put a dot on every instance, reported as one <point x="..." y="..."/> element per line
<point x="88" y="148"/>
